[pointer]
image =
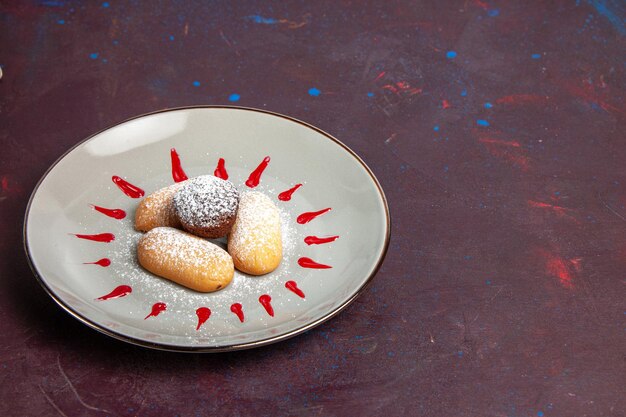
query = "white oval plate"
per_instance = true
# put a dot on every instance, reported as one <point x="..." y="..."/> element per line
<point x="140" y="152"/>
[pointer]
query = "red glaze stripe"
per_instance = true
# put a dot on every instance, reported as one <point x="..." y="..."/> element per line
<point x="238" y="310"/>
<point x="127" y="188"/>
<point x="203" y="314"/>
<point x="104" y="262"/>
<point x="220" y="170"/>
<point x="307" y="217"/>
<point x="118" y="214"/>
<point x="118" y="292"/>
<point x="286" y="195"/>
<point x="292" y="286"/>
<point x="255" y="177"/>
<point x="310" y="263"/>
<point x="314" y="240"/>
<point x="157" y="309"/>
<point x="102" y="237"/>
<point x="266" y="302"/>
<point x="177" y="170"/>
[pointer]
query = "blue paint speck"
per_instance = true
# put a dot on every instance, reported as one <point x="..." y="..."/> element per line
<point x="93" y="55"/>
<point x="436" y="128"/>
<point x="172" y="37"/>
<point x="262" y="20"/>
<point x="488" y="105"/>
<point x="370" y="94"/>
<point x="234" y="97"/>
<point x="314" y="92"/>
<point x="196" y="83"/>
<point x="463" y="93"/>
<point x="460" y="353"/>
<point x="116" y="42"/>
<point x="535" y="56"/>
<point x="493" y="12"/>
<point x="105" y="4"/>
<point x="481" y="122"/>
<point x="391" y="354"/>
<point x="61" y="22"/>
<point x="539" y="413"/>
<point x="488" y="282"/>
<point x="450" y="54"/>
<point x="445" y="168"/>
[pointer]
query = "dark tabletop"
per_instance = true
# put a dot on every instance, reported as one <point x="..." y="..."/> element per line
<point x="496" y="129"/>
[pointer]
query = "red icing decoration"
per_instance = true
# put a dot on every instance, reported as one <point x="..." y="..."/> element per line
<point x="265" y="301"/>
<point x="292" y="286"/>
<point x="286" y="195"/>
<point x="310" y="263"/>
<point x="203" y="314"/>
<point x="220" y="170"/>
<point x="127" y="188"/>
<point x="236" y="308"/>
<point x="118" y="214"/>
<point x="157" y="309"/>
<point x="177" y="170"/>
<point x="307" y="217"/>
<point x="102" y="237"/>
<point x="121" y="291"/>
<point x="255" y="176"/>
<point x="102" y="262"/>
<point x="314" y="240"/>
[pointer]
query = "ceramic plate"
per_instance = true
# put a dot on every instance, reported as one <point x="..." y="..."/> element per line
<point x="80" y="239"/>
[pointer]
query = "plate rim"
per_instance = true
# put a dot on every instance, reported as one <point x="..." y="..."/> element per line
<point x="208" y="349"/>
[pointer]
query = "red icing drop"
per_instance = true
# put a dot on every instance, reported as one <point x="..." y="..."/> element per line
<point x="102" y="237"/>
<point x="255" y="176"/>
<point x="307" y="217"/>
<point x="292" y="286"/>
<point x="220" y="170"/>
<point x="157" y="309"/>
<point x="118" y="214"/>
<point x="121" y="291"/>
<point x="203" y="314"/>
<point x="177" y="170"/>
<point x="265" y="301"/>
<point x="286" y="195"/>
<point x="127" y="188"/>
<point x="314" y="240"/>
<point x="310" y="263"/>
<point x="236" y="308"/>
<point x="102" y="262"/>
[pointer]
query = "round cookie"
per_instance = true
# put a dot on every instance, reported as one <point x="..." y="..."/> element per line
<point x="185" y="259"/>
<point x="206" y="206"/>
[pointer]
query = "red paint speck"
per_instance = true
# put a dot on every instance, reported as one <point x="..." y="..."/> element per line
<point x="178" y="174"/>
<point x="118" y="214"/>
<point x="521" y="99"/>
<point x="561" y="211"/>
<point x="101" y="237"/>
<point x="157" y="309"/>
<point x="255" y="177"/>
<point x="558" y="267"/>
<point x="310" y="263"/>
<point x="104" y="262"/>
<point x="203" y="314"/>
<point x="445" y="104"/>
<point x="314" y="240"/>
<point x="238" y="310"/>
<point x="500" y="142"/>
<point x="293" y="287"/>
<point x="220" y="170"/>
<point x="127" y="188"/>
<point x="118" y="292"/>
<point x="286" y="195"/>
<point x="265" y="301"/>
<point x="308" y="216"/>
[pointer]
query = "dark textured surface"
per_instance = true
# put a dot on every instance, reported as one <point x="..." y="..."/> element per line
<point x="503" y="290"/>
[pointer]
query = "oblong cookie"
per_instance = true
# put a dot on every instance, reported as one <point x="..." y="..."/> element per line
<point x="255" y="241"/>
<point x="185" y="259"/>
<point x="157" y="210"/>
